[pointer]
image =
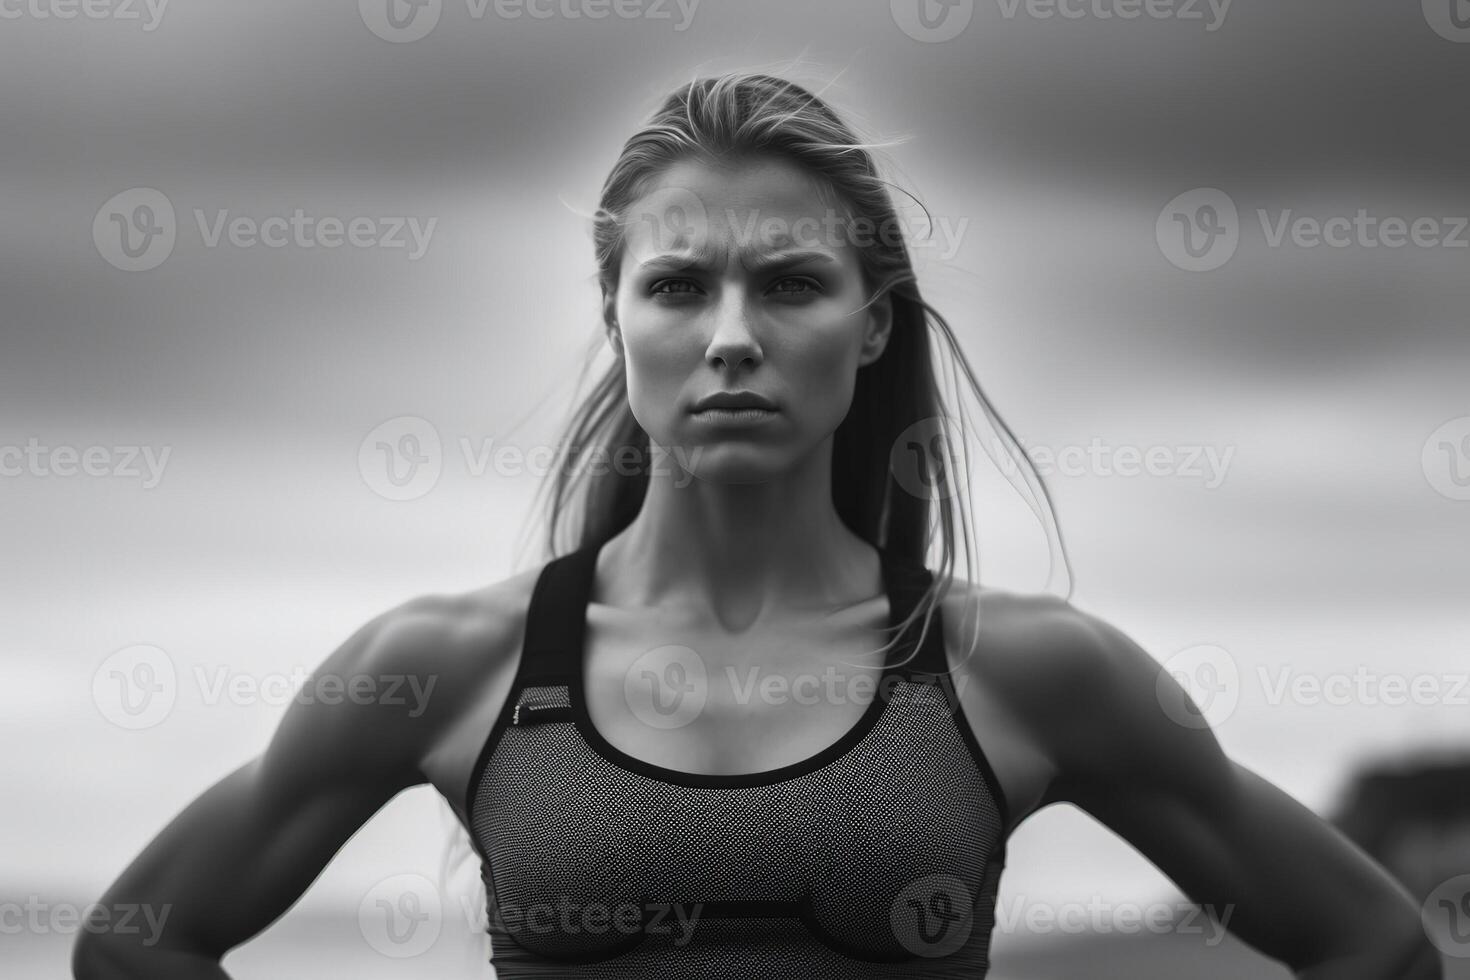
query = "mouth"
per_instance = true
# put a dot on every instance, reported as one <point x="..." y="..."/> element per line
<point x="735" y="416"/>
<point x="734" y="401"/>
<point x="733" y="408"/>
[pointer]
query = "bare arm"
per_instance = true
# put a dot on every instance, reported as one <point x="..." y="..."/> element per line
<point x="246" y="849"/>
<point x="1295" y="888"/>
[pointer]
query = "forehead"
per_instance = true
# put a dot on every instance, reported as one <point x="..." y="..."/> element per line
<point x="738" y="211"/>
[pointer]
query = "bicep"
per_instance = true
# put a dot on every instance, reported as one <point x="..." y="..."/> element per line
<point x="242" y="852"/>
<point x="1290" y="884"/>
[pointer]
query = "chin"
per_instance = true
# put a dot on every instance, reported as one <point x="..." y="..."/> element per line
<point x="733" y="465"/>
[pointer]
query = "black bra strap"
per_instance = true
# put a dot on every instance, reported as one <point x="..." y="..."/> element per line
<point x="556" y="621"/>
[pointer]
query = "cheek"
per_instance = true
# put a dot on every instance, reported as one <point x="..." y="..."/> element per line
<point x="820" y="373"/>
<point x="826" y="352"/>
<point x="656" y="372"/>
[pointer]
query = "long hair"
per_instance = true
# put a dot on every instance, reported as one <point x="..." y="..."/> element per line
<point x="898" y="415"/>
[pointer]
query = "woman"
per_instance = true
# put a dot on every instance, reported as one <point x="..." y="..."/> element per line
<point x="660" y="743"/>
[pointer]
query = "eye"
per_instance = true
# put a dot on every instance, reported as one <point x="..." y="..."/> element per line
<point x="796" y="286"/>
<point x="671" y="287"/>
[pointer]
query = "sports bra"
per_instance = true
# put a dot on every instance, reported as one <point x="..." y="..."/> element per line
<point x="878" y="857"/>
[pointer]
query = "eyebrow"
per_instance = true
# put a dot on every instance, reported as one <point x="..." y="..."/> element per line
<point x="673" y="261"/>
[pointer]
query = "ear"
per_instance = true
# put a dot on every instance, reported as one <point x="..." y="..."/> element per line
<point x="610" y="321"/>
<point x="879" y="329"/>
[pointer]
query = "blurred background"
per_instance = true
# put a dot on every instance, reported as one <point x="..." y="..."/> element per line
<point x="195" y="383"/>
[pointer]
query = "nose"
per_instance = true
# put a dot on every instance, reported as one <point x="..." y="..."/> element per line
<point x="734" y="342"/>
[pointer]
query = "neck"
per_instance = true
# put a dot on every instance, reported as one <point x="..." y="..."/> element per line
<point x="737" y="554"/>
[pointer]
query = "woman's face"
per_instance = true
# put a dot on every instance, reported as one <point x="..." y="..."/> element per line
<point x="741" y="278"/>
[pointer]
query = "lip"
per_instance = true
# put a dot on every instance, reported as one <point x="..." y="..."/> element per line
<point x="738" y="418"/>
<point x="734" y="400"/>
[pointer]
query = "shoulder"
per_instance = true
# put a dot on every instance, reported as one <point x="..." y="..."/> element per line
<point x="403" y="676"/>
<point x="1028" y="641"/>
<point x="451" y="636"/>
<point x="1080" y="685"/>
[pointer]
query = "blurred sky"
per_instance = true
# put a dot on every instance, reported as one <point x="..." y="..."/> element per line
<point x="1335" y="536"/>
